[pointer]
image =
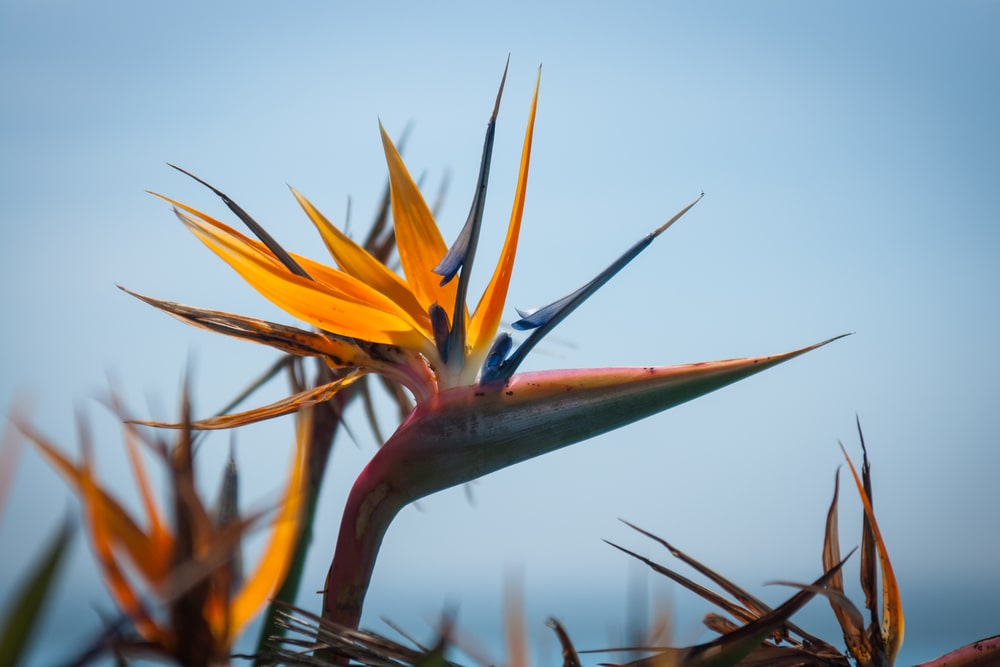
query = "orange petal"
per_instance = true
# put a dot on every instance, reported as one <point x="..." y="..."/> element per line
<point x="358" y="262"/>
<point x="486" y="319"/>
<point x="310" y="300"/>
<point x="271" y="569"/>
<point x="344" y="289"/>
<point x="160" y="537"/>
<point x="116" y="521"/>
<point x="417" y="236"/>
<point x="103" y="518"/>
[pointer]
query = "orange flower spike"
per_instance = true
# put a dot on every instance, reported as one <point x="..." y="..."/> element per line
<point x="358" y="262"/>
<point x="417" y="236"/>
<point x="893" y="623"/>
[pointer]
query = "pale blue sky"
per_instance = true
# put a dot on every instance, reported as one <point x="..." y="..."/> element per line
<point x="849" y="158"/>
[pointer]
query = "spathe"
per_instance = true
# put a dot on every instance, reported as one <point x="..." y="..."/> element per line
<point x="464" y="433"/>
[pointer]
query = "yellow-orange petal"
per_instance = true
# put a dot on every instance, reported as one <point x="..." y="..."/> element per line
<point x="358" y="262"/>
<point x="273" y="565"/>
<point x="338" y="283"/>
<point x="116" y="521"/>
<point x="418" y="238"/>
<point x="486" y="319"/>
<point x="103" y="518"/>
<point x="308" y="300"/>
<point x="159" y="536"/>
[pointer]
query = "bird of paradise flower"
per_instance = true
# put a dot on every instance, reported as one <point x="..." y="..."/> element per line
<point x="474" y="414"/>
<point x="198" y="601"/>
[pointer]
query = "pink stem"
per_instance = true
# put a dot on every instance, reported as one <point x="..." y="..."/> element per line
<point x="371" y="506"/>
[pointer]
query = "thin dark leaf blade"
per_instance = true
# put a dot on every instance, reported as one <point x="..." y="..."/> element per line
<point x="254" y="227"/>
<point x="570" y="657"/>
<point x="544" y="319"/>
<point x="734" y="646"/>
<point x="852" y="624"/>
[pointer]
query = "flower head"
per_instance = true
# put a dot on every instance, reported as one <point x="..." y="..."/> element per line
<point x="414" y="328"/>
<point x="473" y="414"/>
<point x="180" y="584"/>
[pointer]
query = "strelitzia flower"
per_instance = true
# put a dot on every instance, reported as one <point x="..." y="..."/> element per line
<point x="473" y="412"/>
<point x="178" y="582"/>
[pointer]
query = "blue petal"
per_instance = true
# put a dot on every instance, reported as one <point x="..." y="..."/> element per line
<point x="544" y="319"/>
<point x="440" y="327"/>
<point x="495" y="358"/>
<point x="254" y="227"/>
<point x="463" y="250"/>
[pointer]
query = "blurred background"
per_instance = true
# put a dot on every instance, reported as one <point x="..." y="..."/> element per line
<point x="848" y="155"/>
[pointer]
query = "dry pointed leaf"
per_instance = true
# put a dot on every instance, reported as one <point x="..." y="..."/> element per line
<point x="711" y="596"/>
<point x="837" y="598"/>
<point x="718" y="623"/>
<point x="570" y="658"/>
<point x="740" y="645"/>
<point x="754" y="606"/>
<point x="338" y="352"/>
<point x="285" y="406"/>
<point x="192" y="529"/>
<point x="892" y="610"/>
<point x="732" y="647"/>
<point x="225" y="512"/>
<point x="851" y="622"/>
<point x="869" y="580"/>
<point x="791" y="656"/>
<point x="307" y="631"/>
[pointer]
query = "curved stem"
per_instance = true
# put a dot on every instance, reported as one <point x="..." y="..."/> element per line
<point x="463" y="433"/>
<point x="371" y="506"/>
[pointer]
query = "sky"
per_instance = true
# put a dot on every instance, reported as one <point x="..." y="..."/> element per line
<point x="848" y="156"/>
